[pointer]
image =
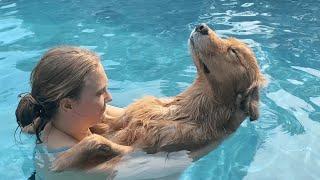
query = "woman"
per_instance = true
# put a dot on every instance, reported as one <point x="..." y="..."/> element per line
<point x="68" y="96"/>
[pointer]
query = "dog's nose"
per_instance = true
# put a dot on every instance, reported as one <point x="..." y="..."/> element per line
<point x="202" y="28"/>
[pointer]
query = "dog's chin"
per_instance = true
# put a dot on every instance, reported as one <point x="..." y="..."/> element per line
<point x="194" y="50"/>
<point x="191" y="42"/>
<point x="204" y="67"/>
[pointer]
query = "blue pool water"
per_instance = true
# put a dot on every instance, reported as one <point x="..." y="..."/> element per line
<point x="143" y="45"/>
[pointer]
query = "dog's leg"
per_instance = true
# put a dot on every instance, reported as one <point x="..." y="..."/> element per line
<point x="115" y="118"/>
<point x="114" y="111"/>
<point x="170" y="136"/>
<point x="88" y="152"/>
<point x="100" y="128"/>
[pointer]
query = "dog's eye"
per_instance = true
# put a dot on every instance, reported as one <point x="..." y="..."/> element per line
<point x="234" y="52"/>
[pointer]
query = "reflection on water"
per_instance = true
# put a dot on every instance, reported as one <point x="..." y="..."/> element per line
<point x="143" y="46"/>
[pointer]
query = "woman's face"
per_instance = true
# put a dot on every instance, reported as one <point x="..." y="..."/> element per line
<point x="93" y="98"/>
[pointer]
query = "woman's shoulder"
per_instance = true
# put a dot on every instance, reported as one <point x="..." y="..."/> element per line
<point x="55" y="139"/>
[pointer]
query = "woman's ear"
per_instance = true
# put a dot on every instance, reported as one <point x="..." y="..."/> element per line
<point x="66" y="104"/>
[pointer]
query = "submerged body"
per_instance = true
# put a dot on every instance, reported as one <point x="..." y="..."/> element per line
<point x="43" y="156"/>
<point x="224" y="93"/>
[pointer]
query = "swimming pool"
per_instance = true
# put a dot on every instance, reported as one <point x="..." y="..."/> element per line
<point x="144" y="49"/>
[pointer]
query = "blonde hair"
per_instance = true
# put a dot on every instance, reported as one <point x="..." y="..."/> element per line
<point x="59" y="74"/>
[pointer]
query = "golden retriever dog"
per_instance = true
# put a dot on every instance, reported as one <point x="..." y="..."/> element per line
<point x="224" y="92"/>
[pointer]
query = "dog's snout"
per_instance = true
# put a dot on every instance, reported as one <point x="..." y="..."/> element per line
<point x="202" y="28"/>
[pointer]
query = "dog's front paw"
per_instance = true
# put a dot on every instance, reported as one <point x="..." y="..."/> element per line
<point x="63" y="162"/>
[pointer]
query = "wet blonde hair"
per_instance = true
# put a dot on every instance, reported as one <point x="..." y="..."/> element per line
<point x="59" y="74"/>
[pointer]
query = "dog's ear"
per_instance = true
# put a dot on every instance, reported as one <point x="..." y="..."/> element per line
<point x="249" y="102"/>
<point x="253" y="103"/>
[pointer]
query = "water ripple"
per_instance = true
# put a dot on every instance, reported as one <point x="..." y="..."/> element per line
<point x="308" y="70"/>
<point x="8" y="6"/>
<point x="289" y="101"/>
<point x="12" y="30"/>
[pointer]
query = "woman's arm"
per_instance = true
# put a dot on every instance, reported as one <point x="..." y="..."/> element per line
<point x="88" y="153"/>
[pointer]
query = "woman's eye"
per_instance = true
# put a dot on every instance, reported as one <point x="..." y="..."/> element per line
<point x="104" y="90"/>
